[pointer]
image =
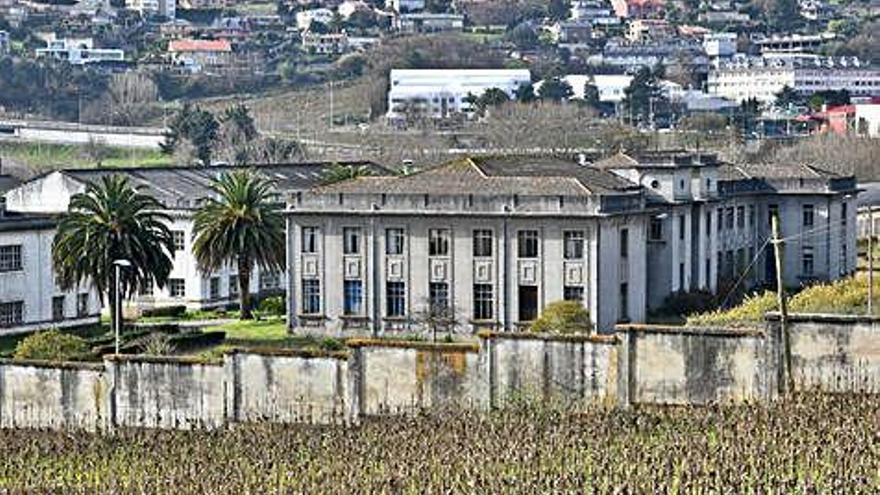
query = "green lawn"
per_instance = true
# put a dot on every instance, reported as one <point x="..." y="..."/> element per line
<point x="40" y="157"/>
<point x="267" y="333"/>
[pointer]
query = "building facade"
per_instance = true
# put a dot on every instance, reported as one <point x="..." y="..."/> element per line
<point x="180" y="190"/>
<point x="79" y="51"/>
<point x="161" y="8"/>
<point x="491" y="241"/>
<point x="30" y="298"/>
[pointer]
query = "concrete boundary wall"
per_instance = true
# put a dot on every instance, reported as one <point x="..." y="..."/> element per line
<point x="641" y="364"/>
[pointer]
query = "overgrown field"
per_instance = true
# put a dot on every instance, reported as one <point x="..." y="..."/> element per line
<point x="809" y="444"/>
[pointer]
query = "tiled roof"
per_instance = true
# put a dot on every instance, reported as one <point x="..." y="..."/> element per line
<point x="780" y="171"/>
<point x="183" y="186"/>
<point x="657" y="159"/>
<point x="199" y="46"/>
<point x="8" y="182"/>
<point x="493" y="176"/>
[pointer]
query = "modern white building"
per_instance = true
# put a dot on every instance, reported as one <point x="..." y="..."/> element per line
<point x="404" y="6"/>
<point x="305" y="18"/>
<point x="744" y="78"/>
<point x="79" y="51"/>
<point x="428" y="22"/>
<point x="29" y="295"/>
<point x="720" y="45"/>
<point x="180" y="190"/>
<point x="161" y="8"/>
<point x="441" y="93"/>
<point x="493" y="240"/>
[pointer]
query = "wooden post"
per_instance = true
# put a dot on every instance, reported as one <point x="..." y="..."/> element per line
<point x="783" y="304"/>
<point x="870" y="260"/>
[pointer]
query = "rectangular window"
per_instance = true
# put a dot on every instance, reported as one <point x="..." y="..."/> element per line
<point x="681" y="223"/>
<point x="354" y="298"/>
<point x="214" y="288"/>
<point x="395" y="299"/>
<point x="311" y="297"/>
<point x="438" y="242"/>
<point x="270" y="280"/>
<point x="574" y="244"/>
<point x="573" y="293"/>
<point x="482" y="243"/>
<point x="179" y="239"/>
<point x="844" y="212"/>
<point x="310" y="240"/>
<point x="655" y="230"/>
<point x="527" y="243"/>
<point x="708" y="224"/>
<point x="740" y="217"/>
<point x="82" y="305"/>
<point x="483" y="302"/>
<point x="57" y="308"/>
<point x="681" y="276"/>
<point x="751" y="216"/>
<point x="11" y="313"/>
<point x="176" y="287"/>
<point x="741" y="262"/>
<point x="351" y="240"/>
<point x="623" y="310"/>
<point x="528" y="303"/>
<point x="10" y="258"/>
<point x="729" y="220"/>
<point x="624" y="243"/>
<point x="807" y="266"/>
<point x="808" y="215"/>
<point x="438" y="296"/>
<point x="720" y="221"/>
<point x="233" y="286"/>
<point x="394" y="241"/>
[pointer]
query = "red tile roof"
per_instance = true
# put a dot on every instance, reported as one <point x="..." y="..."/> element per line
<point x="199" y="46"/>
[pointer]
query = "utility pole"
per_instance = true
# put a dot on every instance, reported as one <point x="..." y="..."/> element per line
<point x="783" y="305"/>
<point x="871" y="261"/>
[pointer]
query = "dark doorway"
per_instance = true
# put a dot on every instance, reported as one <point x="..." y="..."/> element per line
<point x="528" y="303"/>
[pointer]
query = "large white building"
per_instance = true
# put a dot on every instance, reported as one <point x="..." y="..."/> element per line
<point x="161" y="8"/>
<point x="441" y="93"/>
<point x="493" y="240"/>
<point x="29" y="296"/>
<point x="79" y="51"/>
<point x="762" y="78"/>
<point x="180" y="190"/>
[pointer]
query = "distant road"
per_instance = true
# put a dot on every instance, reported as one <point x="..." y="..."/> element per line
<point x="26" y="131"/>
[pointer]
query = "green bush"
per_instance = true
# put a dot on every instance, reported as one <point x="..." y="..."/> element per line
<point x="165" y="312"/>
<point x="52" y="345"/>
<point x="563" y="317"/>
<point x="272" y="306"/>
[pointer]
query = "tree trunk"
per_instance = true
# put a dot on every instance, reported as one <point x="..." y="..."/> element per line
<point x="244" y="288"/>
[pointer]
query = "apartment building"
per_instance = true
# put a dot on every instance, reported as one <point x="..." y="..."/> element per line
<point x="161" y="8"/>
<point x="493" y="240"/>
<point x="79" y="51"/>
<point x="30" y="298"/>
<point x="745" y="78"/>
<point x="180" y="190"/>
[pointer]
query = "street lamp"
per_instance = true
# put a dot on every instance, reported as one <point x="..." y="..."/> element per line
<point x="119" y="265"/>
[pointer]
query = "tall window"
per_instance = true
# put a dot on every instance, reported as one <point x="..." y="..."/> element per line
<point x="438" y="296"/>
<point x="574" y="244"/>
<point x="624" y="243"/>
<point x="176" y="287"/>
<point x="808" y="215"/>
<point x="311" y="297"/>
<point x="708" y="224"/>
<point x="482" y="243"/>
<point x="11" y="313"/>
<point x="438" y="242"/>
<point x="58" y="308"/>
<point x="624" y="302"/>
<point x="351" y="240"/>
<point x="655" y="230"/>
<point x="394" y="241"/>
<point x="720" y="221"/>
<point x="844" y="212"/>
<point x="82" y="305"/>
<point x="233" y="285"/>
<point x="270" y="280"/>
<point x="10" y="258"/>
<point x="483" y="302"/>
<point x="354" y="297"/>
<point x="740" y="217"/>
<point x="751" y="216"/>
<point x="807" y="262"/>
<point x="214" y="286"/>
<point x="395" y="299"/>
<point x="527" y="243"/>
<point x="573" y="293"/>
<point x="179" y="239"/>
<point x="310" y="240"/>
<point x="729" y="219"/>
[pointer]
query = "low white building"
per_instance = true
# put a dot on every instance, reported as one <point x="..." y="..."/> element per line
<point x="80" y="51"/>
<point x="29" y="295"/>
<point x="305" y="18"/>
<point x="180" y="190"/>
<point x="441" y="93"/>
<point x="720" y="45"/>
<point x="867" y="122"/>
<point x="744" y="78"/>
<point x="427" y="22"/>
<point x="161" y="8"/>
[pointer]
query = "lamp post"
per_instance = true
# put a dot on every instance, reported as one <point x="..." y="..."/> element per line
<point x="117" y="325"/>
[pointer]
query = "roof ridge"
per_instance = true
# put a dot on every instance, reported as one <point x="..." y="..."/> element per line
<point x="476" y="167"/>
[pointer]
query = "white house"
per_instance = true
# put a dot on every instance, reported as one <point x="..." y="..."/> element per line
<point x="720" y="45"/>
<point x="180" y="190"/>
<point x="79" y="51"/>
<point x="29" y="295"/>
<point x="304" y="18"/>
<point x="440" y="93"/>
<point x="162" y="8"/>
<point x="404" y="6"/>
<point x="427" y="22"/>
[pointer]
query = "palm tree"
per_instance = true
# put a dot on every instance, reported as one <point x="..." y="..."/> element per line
<point x="242" y="225"/>
<point x="109" y="221"/>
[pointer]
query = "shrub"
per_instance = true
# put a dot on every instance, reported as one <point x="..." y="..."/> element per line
<point x="686" y="303"/>
<point x="52" y="345"/>
<point x="272" y="306"/>
<point x="165" y="311"/>
<point x="563" y="317"/>
<point x="157" y="344"/>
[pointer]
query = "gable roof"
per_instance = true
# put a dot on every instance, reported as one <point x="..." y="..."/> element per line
<point x="487" y="176"/>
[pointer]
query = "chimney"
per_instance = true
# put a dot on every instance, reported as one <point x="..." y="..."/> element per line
<point x="582" y="159"/>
